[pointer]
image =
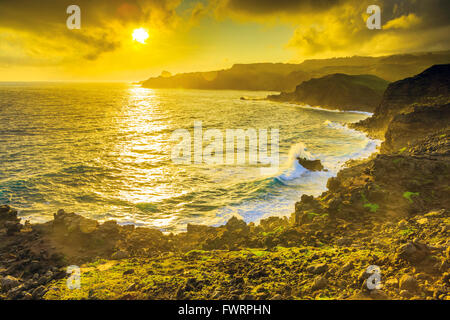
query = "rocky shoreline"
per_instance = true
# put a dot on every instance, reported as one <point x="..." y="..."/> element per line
<point x="391" y="211"/>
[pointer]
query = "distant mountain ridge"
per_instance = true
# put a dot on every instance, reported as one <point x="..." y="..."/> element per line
<point x="286" y="76"/>
<point x="338" y="91"/>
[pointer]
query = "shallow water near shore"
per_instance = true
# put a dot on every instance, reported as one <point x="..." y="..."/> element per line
<point x="104" y="151"/>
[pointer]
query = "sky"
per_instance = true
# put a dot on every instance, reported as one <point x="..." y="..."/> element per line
<point x="203" y="35"/>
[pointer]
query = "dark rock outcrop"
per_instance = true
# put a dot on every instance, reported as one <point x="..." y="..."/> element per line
<point x="311" y="165"/>
<point x="338" y="91"/>
<point x="407" y="129"/>
<point x="429" y="88"/>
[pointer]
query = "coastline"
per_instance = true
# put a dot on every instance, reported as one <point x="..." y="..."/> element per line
<point x="315" y="246"/>
<point x="390" y="211"/>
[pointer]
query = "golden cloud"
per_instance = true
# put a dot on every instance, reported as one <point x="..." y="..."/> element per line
<point x="403" y="22"/>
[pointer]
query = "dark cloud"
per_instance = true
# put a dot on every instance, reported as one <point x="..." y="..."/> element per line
<point x="408" y="25"/>
<point x="33" y="13"/>
<point x="99" y="21"/>
<point x="278" y="6"/>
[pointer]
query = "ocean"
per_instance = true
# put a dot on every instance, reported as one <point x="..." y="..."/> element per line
<point x="104" y="151"/>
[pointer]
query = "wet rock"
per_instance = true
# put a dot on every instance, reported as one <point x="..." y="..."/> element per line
<point x="311" y="165"/>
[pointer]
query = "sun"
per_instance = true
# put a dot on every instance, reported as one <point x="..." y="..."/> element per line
<point x="140" y="35"/>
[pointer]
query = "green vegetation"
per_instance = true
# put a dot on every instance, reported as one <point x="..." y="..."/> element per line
<point x="373" y="207"/>
<point x="408" y="231"/>
<point x="275" y="231"/>
<point x="408" y="194"/>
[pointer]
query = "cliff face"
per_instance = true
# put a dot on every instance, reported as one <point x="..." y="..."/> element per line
<point x="407" y="130"/>
<point x="285" y="77"/>
<point x="338" y="91"/>
<point x="429" y="88"/>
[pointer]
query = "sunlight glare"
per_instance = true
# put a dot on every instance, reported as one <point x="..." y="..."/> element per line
<point x="140" y="35"/>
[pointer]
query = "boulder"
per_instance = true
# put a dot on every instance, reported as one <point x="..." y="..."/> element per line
<point x="408" y="283"/>
<point x="311" y="165"/>
<point x="414" y="252"/>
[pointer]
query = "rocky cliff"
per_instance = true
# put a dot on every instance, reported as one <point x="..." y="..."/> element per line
<point x="429" y="88"/>
<point x="338" y="91"/>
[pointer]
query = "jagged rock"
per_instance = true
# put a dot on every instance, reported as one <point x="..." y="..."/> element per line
<point x="414" y="252"/>
<point x="431" y="87"/>
<point x="236" y="225"/>
<point x="311" y="165"/>
<point x="333" y="184"/>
